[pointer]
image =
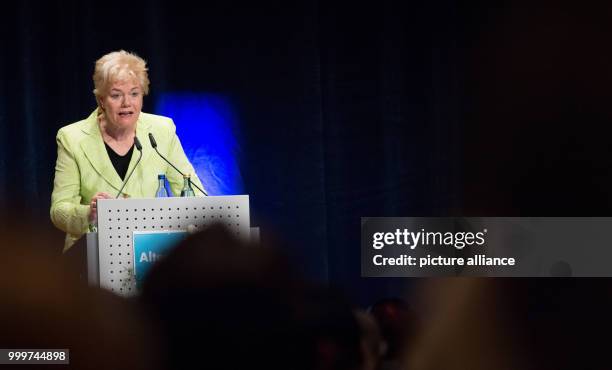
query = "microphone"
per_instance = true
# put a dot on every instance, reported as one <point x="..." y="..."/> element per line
<point x="137" y="144"/>
<point x="154" y="145"/>
<point x="139" y="148"/>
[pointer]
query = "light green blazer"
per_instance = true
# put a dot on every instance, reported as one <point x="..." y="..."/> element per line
<point x="83" y="168"/>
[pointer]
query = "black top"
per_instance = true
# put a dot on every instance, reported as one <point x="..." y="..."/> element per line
<point x="121" y="163"/>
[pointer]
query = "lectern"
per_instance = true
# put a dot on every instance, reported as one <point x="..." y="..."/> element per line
<point x="110" y="252"/>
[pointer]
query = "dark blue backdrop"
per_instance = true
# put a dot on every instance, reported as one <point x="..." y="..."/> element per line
<point x="341" y="109"/>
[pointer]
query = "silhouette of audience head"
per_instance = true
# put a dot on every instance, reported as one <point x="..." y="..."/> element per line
<point x="371" y="340"/>
<point x="45" y="307"/>
<point x="331" y="336"/>
<point x="542" y="324"/>
<point x="398" y="325"/>
<point x="224" y="304"/>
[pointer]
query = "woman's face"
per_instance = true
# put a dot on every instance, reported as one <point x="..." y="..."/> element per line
<point x="122" y="104"/>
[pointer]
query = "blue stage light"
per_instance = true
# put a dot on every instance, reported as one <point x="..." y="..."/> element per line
<point x="208" y="130"/>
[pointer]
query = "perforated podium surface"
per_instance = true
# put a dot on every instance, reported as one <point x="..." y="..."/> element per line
<point x="119" y="218"/>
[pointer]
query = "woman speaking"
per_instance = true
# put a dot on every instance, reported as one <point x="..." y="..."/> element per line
<point x="95" y="154"/>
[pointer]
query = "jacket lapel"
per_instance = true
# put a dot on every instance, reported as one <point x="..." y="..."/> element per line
<point x="95" y="151"/>
<point x="142" y="131"/>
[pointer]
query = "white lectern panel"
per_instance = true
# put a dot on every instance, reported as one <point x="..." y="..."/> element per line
<point x="118" y="218"/>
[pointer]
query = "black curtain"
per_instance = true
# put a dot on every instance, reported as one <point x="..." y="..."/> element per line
<point x="346" y="109"/>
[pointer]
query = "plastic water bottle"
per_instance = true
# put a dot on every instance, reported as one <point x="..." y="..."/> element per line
<point x="161" y="192"/>
<point x="187" y="189"/>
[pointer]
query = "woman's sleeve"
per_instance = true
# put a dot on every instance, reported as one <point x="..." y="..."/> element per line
<point x="67" y="212"/>
<point x="177" y="156"/>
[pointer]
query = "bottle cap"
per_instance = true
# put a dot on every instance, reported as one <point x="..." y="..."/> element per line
<point x="161" y="176"/>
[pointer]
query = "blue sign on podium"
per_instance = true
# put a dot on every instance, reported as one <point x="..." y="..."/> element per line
<point x="150" y="247"/>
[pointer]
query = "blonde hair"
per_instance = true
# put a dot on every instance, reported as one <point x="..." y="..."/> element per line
<point x="119" y="66"/>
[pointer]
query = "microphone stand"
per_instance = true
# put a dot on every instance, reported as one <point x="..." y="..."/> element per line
<point x="154" y="145"/>
<point x="139" y="147"/>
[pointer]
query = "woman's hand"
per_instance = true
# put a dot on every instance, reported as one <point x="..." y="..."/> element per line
<point x="93" y="205"/>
